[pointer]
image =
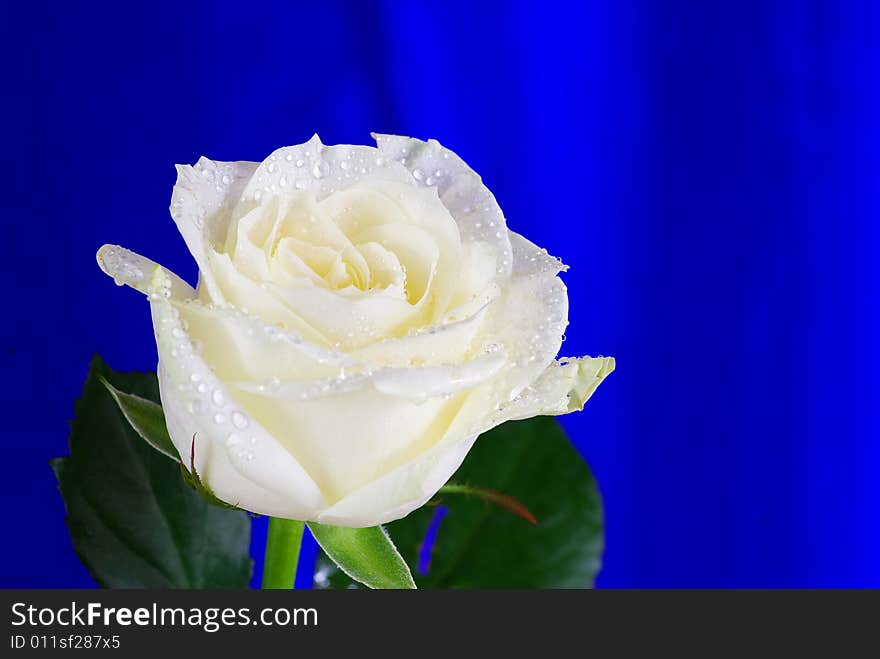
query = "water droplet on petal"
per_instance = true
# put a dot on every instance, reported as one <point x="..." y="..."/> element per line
<point x="239" y="420"/>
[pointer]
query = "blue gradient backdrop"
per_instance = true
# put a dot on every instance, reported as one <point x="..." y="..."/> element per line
<point x="709" y="171"/>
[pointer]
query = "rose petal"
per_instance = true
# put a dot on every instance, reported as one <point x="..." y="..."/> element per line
<point x="460" y="188"/>
<point x="563" y="387"/>
<point x="348" y="319"/>
<point x="353" y="437"/>
<point x="380" y="208"/>
<point x="399" y="492"/>
<point x="128" y="268"/>
<point x="527" y="322"/>
<point x="476" y="279"/>
<point x="201" y="202"/>
<point x="197" y="404"/>
<point x="417" y="383"/>
<point x="420" y="257"/>
<point x="384" y="266"/>
<point x="319" y="169"/>
<point x="260" y="299"/>
<point x="529" y="259"/>
<point x="245" y="348"/>
<point x="434" y="344"/>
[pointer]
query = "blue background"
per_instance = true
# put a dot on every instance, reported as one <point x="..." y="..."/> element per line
<point x="708" y="171"/>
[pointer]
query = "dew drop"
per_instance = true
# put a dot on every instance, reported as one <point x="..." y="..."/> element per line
<point x="232" y="440"/>
<point x="239" y="420"/>
<point x="219" y="419"/>
<point x="217" y="397"/>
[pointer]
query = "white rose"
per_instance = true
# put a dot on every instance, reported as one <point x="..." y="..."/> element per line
<point x="362" y="315"/>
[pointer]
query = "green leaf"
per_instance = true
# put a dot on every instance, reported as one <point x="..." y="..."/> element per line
<point x="479" y="545"/>
<point x="133" y="520"/>
<point x="146" y="417"/>
<point x="365" y="555"/>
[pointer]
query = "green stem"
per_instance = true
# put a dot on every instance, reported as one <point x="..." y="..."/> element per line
<point x="282" y="553"/>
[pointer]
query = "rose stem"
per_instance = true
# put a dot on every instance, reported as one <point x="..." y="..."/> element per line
<point x="282" y="553"/>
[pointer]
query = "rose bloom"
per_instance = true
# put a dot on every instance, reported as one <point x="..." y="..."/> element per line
<point x="361" y="316"/>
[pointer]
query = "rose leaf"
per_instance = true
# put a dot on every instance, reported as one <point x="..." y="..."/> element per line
<point x="133" y="520"/>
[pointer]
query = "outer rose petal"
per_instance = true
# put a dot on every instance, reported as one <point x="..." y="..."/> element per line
<point x="348" y="438"/>
<point x="317" y="168"/>
<point x="201" y="202"/>
<point x="270" y="481"/>
<point x="528" y="323"/>
<point x="564" y="386"/>
<point x="529" y="259"/>
<point x="399" y="492"/>
<point x="128" y="268"/>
